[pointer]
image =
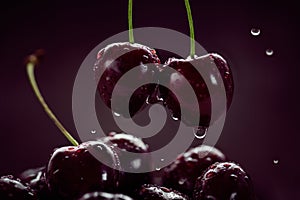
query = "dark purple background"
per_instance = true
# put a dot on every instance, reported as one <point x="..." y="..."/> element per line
<point x="261" y="125"/>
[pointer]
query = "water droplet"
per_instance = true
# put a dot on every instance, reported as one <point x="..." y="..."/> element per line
<point x="104" y="176"/>
<point x="269" y="52"/>
<point x="233" y="176"/>
<point x="255" y="31"/>
<point x="99" y="147"/>
<point x="157" y="169"/>
<point x="182" y="181"/>
<point x="209" y="197"/>
<point x="175" y="118"/>
<point x="200" y="132"/>
<point x="136" y="163"/>
<point x="116" y="114"/>
<point x="233" y="196"/>
<point x="147" y="100"/>
<point x="93" y="131"/>
<point x="162" y="159"/>
<point x="275" y="162"/>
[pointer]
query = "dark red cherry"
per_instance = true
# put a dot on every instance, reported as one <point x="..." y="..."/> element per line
<point x="104" y="196"/>
<point x="31" y="174"/>
<point x="35" y="179"/>
<point x="224" y="181"/>
<point x="153" y="192"/>
<point x="135" y="164"/>
<point x="114" y="61"/>
<point x="210" y="65"/>
<point x="13" y="189"/>
<point x="184" y="171"/>
<point x="73" y="171"/>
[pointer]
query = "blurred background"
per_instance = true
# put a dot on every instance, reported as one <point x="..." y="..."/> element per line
<point x="261" y="130"/>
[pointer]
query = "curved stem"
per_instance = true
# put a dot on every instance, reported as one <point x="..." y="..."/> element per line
<point x="30" y="71"/>
<point x="130" y="26"/>
<point x="191" y="24"/>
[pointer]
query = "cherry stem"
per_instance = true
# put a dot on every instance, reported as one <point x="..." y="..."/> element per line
<point x="130" y="26"/>
<point x="30" y="65"/>
<point x="191" y="24"/>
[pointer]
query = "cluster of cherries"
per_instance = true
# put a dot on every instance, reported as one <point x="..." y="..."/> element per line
<point x="73" y="173"/>
<point x="201" y="173"/>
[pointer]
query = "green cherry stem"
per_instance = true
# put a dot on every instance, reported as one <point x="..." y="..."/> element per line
<point x="30" y="65"/>
<point x="130" y="26"/>
<point x="191" y="24"/>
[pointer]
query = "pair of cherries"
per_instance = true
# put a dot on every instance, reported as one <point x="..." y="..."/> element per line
<point x="112" y="67"/>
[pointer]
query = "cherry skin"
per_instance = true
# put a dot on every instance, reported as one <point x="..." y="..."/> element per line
<point x="13" y="189"/>
<point x="224" y="181"/>
<point x="136" y="163"/>
<point x="188" y="68"/>
<point x="184" y="171"/>
<point x="73" y="171"/>
<point x="104" y="196"/>
<point x="153" y="192"/>
<point x="113" y="62"/>
<point x="35" y="179"/>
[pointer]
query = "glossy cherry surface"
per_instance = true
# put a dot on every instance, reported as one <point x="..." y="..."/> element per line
<point x="152" y="192"/>
<point x="224" y="181"/>
<point x="104" y="196"/>
<point x="13" y="189"/>
<point x="113" y="62"/>
<point x="36" y="180"/>
<point x="184" y="171"/>
<point x="73" y="171"/>
<point x="134" y="164"/>
<point x="212" y="66"/>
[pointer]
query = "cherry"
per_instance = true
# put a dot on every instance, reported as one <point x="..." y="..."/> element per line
<point x="35" y="179"/>
<point x="222" y="181"/>
<point x="13" y="189"/>
<point x="74" y="171"/>
<point x="153" y="192"/>
<point x="104" y="196"/>
<point x="30" y="175"/>
<point x="184" y="171"/>
<point x="114" y="61"/>
<point x="189" y="69"/>
<point x="138" y="163"/>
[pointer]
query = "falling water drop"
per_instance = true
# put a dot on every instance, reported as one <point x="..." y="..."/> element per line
<point x="269" y="52"/>
<point x="275" y="162"/>
<point x="200" y="132"/>
<point x="255" y="31"/>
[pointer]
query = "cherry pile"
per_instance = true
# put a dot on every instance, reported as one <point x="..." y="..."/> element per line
<point x="75" y="172"/>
